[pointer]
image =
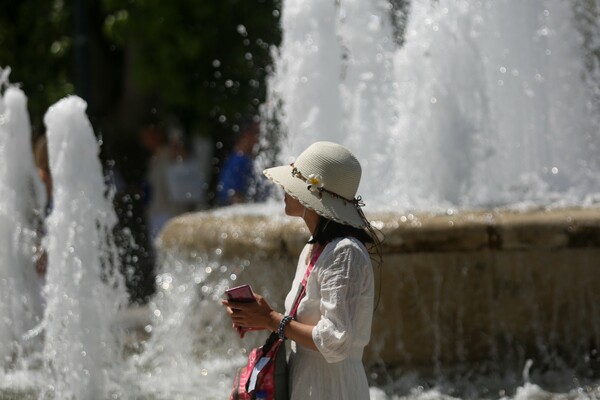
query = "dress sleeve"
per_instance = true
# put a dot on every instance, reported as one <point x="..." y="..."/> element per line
<point x="342" y="280"/>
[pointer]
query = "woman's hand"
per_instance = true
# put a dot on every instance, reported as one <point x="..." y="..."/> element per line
<point x="256" y="315"/>
<point x="260" y="315"/>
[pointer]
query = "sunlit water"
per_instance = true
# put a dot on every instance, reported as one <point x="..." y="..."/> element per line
<point x="21" y="199"/>
<point x="84" y="288"/>
<point x="483" y="105"/>
<point x="80" y="355"/>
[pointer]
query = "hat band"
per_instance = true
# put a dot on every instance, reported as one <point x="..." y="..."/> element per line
<point x="315" y="184"/>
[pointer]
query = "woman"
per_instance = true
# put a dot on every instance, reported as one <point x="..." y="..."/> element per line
<point x="333" y="321"/>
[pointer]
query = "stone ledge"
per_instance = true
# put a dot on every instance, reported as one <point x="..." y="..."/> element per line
<point x="236" y="234"/>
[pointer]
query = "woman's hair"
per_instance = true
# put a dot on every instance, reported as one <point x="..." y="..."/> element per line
<point x="328" y="230"/>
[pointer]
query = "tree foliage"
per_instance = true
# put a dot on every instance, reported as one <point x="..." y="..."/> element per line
<point x="36" y="42"/>
<point x="206" y="60"/>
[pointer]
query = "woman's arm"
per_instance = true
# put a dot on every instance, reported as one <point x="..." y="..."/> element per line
<point x="296" y="331"/>
<point x="260" y="315"/>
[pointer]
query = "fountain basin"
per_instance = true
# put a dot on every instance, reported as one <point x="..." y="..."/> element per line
<point x="468" y="288"/>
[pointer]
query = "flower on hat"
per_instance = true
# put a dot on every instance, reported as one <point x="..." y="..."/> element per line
<point x="314" y="183"/>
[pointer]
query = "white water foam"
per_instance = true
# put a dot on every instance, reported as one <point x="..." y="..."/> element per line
<point x="21" y="199"/>
<point x="84" y="291"/>
<point x="484" y="105"/>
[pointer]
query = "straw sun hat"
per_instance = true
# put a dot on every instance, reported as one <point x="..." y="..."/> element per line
<point x="324" y="178"/>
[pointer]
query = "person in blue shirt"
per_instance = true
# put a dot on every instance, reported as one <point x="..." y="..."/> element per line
<point x="237" y="174"/>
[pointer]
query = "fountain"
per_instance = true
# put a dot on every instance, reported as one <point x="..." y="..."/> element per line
<point x="475" y="110"/>
<point x="22" y="196"/>
<point x="84" y="288"/>
<point x="477" y="137"/>
<point x="74" y="350"/>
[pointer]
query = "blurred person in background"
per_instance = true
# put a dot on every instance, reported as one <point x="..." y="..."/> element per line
<point x="40" y="155"/>
<point x="237" y="176"/>
<point x="160" y="206"/>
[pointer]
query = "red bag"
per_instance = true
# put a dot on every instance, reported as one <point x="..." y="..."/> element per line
<point x="267" y="371"/>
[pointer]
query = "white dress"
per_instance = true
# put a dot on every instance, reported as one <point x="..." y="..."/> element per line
<point x="339" y="302"/>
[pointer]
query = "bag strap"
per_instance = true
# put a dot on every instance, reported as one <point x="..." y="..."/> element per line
<point x="302" y="289"/>
<point x="273" y="337"/>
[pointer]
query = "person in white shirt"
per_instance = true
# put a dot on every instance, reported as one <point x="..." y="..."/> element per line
<point x="333" y="320"/>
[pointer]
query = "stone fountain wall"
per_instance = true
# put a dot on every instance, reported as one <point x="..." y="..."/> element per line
<point x="460" y="289"/>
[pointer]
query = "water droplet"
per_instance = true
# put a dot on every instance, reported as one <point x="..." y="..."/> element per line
<point x="554" y="170"/>
<point x="433" y="100"/>
<point x="204" y="372"/>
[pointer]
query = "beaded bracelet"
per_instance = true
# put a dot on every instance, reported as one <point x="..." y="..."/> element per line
<point x="284" y="321"/>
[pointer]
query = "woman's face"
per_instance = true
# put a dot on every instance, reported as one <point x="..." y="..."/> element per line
<point x="293" y="208"/>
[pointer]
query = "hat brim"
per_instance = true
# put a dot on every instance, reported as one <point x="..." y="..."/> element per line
<point x="324" y="204"/>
